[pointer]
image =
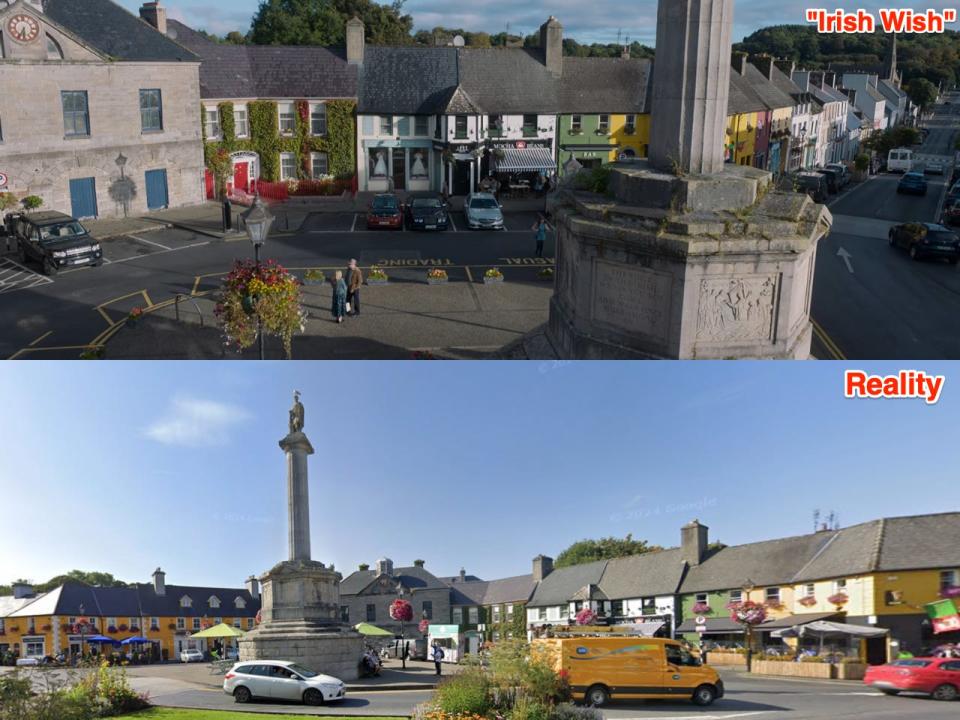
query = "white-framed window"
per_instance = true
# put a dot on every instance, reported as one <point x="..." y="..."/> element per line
<point x="76" y="113"/>
<point x="458" y="616"/>
<point x="576" y="123"/>
<point x="541" y="613"/>
<point x="33" y="648"/>
<point x="288" y="166"/>
<point x="154" y="623"/>
<point x="181" y="623"/>
<point x="421" y="125"/>
<point x="213" y="601"/>
<point x="196" y="623"/>
<point x="496" y="636"/>
<point x="239" y="603"/>
<point x="186" y="601"/>
<point x="211" y="122"/>
<point x="509" y="611"/>
<point x="151" y="110"/>
<point x="70" y="621"/>
<point x="111" y="622"/>
<point x="473" y="615"/>
<point x="948" y="578"/>
<point x="603" y="125"/>
<point x="736" y="596"/>
<point x="840" y="586"/>
<point x="772" y="594"/>
<point x="701" y="597"/>
<point x="2" y="626"/>
<point x="386" y="124"/>
<point x="236" y="623"/>
<point x="241" y="126"/>
<point x="318" y="119"/>
<point x="318" y="165"/>
<point x="809" y="589"/>
<point x="288" y="118"/>
<point x="496" y="613"/>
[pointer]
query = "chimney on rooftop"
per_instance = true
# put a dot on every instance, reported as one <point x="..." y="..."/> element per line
<point x="419" y="563"/>
<point x="463" y="575"/>
<point x="253" y="587"/>
<point x="159" y="582"/>
<point x="156" y="15"/>
<point x="551" y="44"/>
<point x="739" y="62"/>
<point x="355" y="41"/>
<point x="693" y="542"/>
<point x="786" y="66"/>
<point x="542" y="566"/>
<point x="765" y="64"/>
<point x="22" y="590"/>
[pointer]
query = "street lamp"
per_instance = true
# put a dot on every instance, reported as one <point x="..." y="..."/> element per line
<point x="83" y="627"/>
<point x="747" y="587"/>
<point x="257" y="221"/>
<point x="400" y="648"/>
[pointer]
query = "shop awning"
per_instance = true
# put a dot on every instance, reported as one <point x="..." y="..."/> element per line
<point x="824" y="629"/>
<point x="714" y="626"/>
<point x="528" y="159"/>
<point x="793" y="620"/>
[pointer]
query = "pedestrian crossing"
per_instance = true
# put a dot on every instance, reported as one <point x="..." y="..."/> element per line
<point x="14" y="276"/>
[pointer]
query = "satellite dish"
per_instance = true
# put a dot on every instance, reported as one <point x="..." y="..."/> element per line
<point x="172" y="33"/>
<point x="458" y="41"/>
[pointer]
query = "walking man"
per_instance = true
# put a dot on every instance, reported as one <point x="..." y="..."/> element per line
<point x="540" y="227"/>
<point x="437" y="655"/>
<point x="354" y="281"/>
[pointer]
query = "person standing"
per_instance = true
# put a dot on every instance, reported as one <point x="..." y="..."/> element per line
<point x="540" y="227"/>
<point x="437" y="655"/>
<point x="354" y="280"/>
<point x="339" y="305"/>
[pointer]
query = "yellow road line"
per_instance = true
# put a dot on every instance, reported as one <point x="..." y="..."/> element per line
<point x="196" y="284"/>
<point x="41" y="338"/>
<point x="28" y="350"/>
<point x="538" y="266"/>
<point x="831" y="346"/>
<point x="147" y="298"/>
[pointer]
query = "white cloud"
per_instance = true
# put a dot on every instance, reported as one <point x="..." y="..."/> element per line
<point x="193" y="422"/>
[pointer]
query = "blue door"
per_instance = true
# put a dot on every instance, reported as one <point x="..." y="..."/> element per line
<point x="83" y="197"/>
<point x="157" y="189"/>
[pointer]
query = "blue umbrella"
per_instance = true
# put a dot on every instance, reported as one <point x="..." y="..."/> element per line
<point x="135" y="639"/>
<point x="102" y="639"/>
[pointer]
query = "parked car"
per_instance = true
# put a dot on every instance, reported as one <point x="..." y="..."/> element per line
<point x="813" y="184"/>
<point x="953" y="194"/>
<point x="844" y="173"/>
<point x="28" y="661"/>
<point x="912" y="183"/>
<point x="188" y="656"/>
<point x="385" y="211"/>
<point x="933" y="168"/>
<point x="833" y="179"/>
<point x="55" y="241"/>
<point x="483" y="212"/>
<point x="427" y="211"/>
<point x="281" y="680"/>
<point x="951" y="214"/>
<point x="926" y="240"/>
<point x="937" y="677"/>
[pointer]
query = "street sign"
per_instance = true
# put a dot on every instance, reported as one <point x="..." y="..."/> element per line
<point x="3" y="180"/>
<point x="701" y="620"/>
<point x="701" y="629"/>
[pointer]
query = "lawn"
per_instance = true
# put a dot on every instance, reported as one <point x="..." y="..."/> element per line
<point x="179" y="714"/>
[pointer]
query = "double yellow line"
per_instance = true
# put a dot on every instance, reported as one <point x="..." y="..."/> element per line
<point x="832" y="348"/>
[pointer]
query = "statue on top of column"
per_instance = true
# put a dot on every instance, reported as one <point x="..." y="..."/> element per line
<point x="296" y="414"/>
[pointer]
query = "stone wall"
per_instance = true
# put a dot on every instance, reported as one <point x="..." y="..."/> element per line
<point x="40" y="160"/>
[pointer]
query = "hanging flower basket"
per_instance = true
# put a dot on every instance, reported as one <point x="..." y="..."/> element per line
<point x="700" y="608"/>
<point x="424" y="626"/>
<point x="585" y="617"/>
<point x="838" y="599"/>
<point x="808" y="601"/>
<point x="748" y="613"/>
<point x="401" y="610"/>
<point x="172" y="626"/>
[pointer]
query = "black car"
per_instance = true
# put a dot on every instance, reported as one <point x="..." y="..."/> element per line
<point x="813" y="184"/>
<point x="833" y="179"/>
<point x="926" y="240"/>
<point x="426" y="211"/>
<point x="54" y="240"/>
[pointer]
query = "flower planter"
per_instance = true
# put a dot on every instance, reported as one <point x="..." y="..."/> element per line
<point x="437" y="281"/>
<point x="851" y="671"/>
<point x="824" y="671"/>
<point x="377" y="281"/>
<point x="726" y="659"/>
<point x="313" y="281"/>
<point x="492" y="280"/>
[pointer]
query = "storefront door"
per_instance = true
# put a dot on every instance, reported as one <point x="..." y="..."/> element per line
<point x="241" y="176"/>
<point x="461" y="177"/>
<point x="399" y="169"/>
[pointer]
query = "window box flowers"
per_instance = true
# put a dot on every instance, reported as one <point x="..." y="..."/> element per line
<point x="700" y="608"/>
<point x="838" y="599"/>
<point x="156" y="628"/>
<point x="493" y="275"/>
<point x="808" y="601"/>
<point x="112" y="629"/>
<point x="377" y="276"/>
<point x="313" y="277"/>
<point x="950" y="591"/>
<point x="46" y="628"/>
<point x="134" y="628"/>
<point x="437" y="276"/>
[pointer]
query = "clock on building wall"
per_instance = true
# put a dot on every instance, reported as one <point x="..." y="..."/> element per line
<point x="23" y="28"/>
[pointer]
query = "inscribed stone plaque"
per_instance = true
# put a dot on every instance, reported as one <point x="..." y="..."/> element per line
<point x="736" y="309"/>
<point x="632" y="299"/>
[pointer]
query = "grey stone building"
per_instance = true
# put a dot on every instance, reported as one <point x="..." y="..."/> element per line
<point x="99" y="109"/>
<point x="366" y="594"/>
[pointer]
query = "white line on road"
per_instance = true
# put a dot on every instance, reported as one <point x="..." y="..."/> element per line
<point x="453" y="224"/>
<point x="353" y="225"/>
<point x="150" y="242"/>
<point x="706" y="717"/>
<point x="845" y="256"/>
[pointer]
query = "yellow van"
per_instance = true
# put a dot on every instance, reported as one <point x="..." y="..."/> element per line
<point x="601" y="668"/>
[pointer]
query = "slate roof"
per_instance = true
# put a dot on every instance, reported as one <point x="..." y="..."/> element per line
<point x="605" y="85"/>
<point x="652" y="573"/>
<point x="139" y="600"/>
<point x="771" y="95"/>
<point x="920" y="541"/>
<point x="414" y="578"/>
<point x="847" y="552"/>
<point x="742" y="97"/>
<point x="885" y="86"/>
<point x="509" y="590"/>
<point x="115" y="32"/>
<point x="268" y="71"/>
<point x="508" y="80"/>
<point x="562" y="584"/>
<point x="406" y="80"/>
<point x="468" y="593"/>
<point x="783" y="83"/>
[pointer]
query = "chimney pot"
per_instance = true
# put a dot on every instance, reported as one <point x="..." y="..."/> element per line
<point x="355" y="41"/>
<point x="693" y="542"/>
<point x="253" y="587"/>
<point x="551" y="45"/>
<point x="419" y="563"/>
<point x="739" y="62"/>
<point x="542" y="566"/>
<point x="159" y="582"/>
<point x="156" y="15"/>
<point x="22" y="590"/>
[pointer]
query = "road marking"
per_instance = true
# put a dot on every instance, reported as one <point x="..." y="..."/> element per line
<point x="453" y="224"/>
<point x="831" y="346"/>
<point x="14" y="276"/>
<point x="41" y="338"/>
<point x="469" y="274"/>
<point x="100" y="308"/>
<point x="706" y="717"/>
<point x="150" y="242"/>
<point x="353" y="225"/>
<point x="845" y="256"/>
<point x="28" y="350"/>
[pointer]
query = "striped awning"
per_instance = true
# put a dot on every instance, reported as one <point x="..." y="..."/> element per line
<point x="528" y="159"/>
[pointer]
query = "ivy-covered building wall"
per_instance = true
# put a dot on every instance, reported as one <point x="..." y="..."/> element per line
<point x="265" y="139"/>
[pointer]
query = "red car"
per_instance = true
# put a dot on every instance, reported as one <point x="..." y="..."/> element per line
<point x="938" y="677"/>
<point x="385" y="212"/>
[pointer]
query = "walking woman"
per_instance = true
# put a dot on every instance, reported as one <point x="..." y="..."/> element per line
<point x="339" y="307"/>
<point x="540" y="227"/>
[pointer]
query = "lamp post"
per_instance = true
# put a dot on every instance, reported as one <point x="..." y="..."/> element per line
<point x="747" y="587"/>
<point x="257" y="221"/>
<point x="400" y="593"/>
<point x="83" y="626"/>
<point x="121" y="162"/>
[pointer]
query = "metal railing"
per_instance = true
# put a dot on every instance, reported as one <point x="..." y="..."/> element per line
<point x="180" y="297"/>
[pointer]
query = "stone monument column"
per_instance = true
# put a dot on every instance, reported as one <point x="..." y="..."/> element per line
<point x="301" y="597"/>
<point x="684" y="256"/>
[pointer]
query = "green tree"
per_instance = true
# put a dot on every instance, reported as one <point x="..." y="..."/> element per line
<point x="92" y="578"/>
<point x="882" y="143"/>
<point x="922" y="92"/>
<point x="323" y="22"/>
<point x="586" y="551"/>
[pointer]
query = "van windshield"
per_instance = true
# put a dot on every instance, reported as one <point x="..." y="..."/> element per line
<point x="61" y="232"/>
<point x="677" y="655"/>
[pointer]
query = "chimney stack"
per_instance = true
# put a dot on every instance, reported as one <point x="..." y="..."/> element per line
<point x="156" y="15"/>
<point x="693" y="542"/>
<point x="551" y="44"/>
<point x="786" y="66"/>
<point x="419" y="563"/>
<point x="159" y="582"/>
<point x="22" y="590"/>
<point x="542" y="566"/>
<point x="355" y="41"/>
<point x="253" y="587"/>
<point x="463" y="575"/>
<point x="765" y="64"/>
<point x="739" y="62"/>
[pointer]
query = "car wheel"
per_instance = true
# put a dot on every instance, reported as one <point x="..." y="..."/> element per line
<point x="597" y="696"/>
<point x="313" y="697"/>
<point x="49" y="269"/>
<point x="704" y="695"/>
<point x="892" y="239"/>
<point x="890" y="692"/>
<point x="914" y="253"/>
<point x="241" y="695"/>
<point x="946" y="692"/>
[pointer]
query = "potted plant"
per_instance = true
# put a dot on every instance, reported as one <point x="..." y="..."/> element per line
<point x="313" y="277"/>
<point x="112" y="629"/>
<point x="32" y="202"/>
<point x="808" y="601"/>
<point x="122" y="627"/>
<point x="545" y="274"/>
<point x="492" y="276"/>
<point x="437" y="276"/>
<point x="700" y="608"/>
<point x="376" y="276"/>
<point x="134" y="628"/>
<point x="134" y="317"/>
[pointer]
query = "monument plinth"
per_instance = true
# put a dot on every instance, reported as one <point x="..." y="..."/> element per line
<point x="685" y="257"/>
<point x="300" y="596"/>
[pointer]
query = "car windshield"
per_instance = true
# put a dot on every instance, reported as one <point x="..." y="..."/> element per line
<point x="483" y="203"/>
<point x="426" y="203"/>
<point x="302" y="671"/>
<point x="910" y="663"/>
<point x="942" y="236"/>
<point x="62" y="231"/>
<point x="808" y="182"/>
<point x="384" y="203"/>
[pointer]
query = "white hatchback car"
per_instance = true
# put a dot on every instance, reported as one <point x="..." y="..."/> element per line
<point x="191" y="656"/>
<point x="281" y="680"/>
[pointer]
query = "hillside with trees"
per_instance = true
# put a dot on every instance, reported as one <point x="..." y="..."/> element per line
<point x="92" y="578"/>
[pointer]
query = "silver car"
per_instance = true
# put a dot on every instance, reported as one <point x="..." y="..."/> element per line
<point x="483" y="212"/>
<point x="281" y="680"/>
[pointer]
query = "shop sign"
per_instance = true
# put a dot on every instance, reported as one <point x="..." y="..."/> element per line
<point x="461" y="148"/>
<point x="944" y="616"/>
<point x="519" y="144"/>
<point x="3" y="180"/>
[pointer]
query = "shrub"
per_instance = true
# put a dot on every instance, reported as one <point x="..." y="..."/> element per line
<point x="7" y="201"/>
<point x="32" y="202"/>
<point x="528" y="709"/>
<point x="572" y="712"/>
<point x="596" y="180"/>
<point x="465" y="694"/>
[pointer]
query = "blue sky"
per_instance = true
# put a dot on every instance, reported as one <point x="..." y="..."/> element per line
<point x="124" y="467"/>
<point x="636" y="18"/>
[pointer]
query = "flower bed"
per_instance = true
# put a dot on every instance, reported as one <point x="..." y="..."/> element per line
<point x="437" y="276"/>
<point x="313" y="277"/>
<point x="377" y="276"/>
<point x="493" y="275"/>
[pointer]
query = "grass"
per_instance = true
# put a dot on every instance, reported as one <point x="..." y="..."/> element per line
<point x="180" y="714"/>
